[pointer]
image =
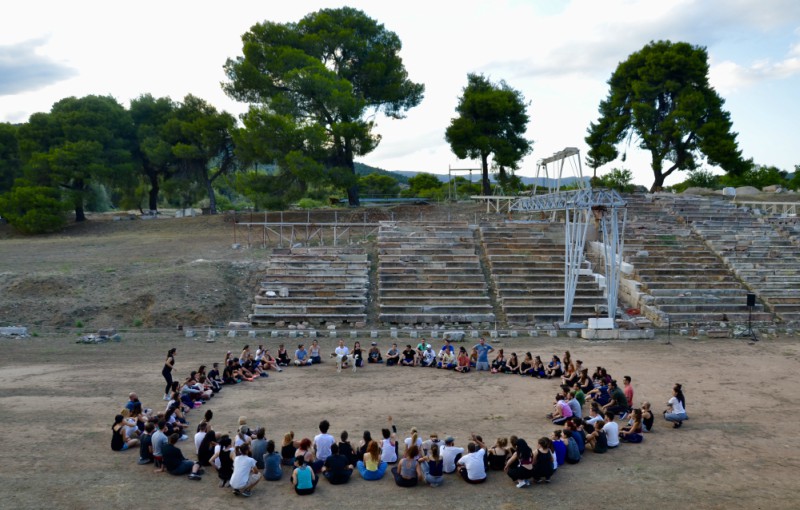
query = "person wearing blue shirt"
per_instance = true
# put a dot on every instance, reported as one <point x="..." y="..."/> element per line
<point x="483" y="355"/>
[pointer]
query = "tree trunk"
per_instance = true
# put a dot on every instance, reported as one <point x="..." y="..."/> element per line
<point x="212" y="197"/>
<point x="352" y="191"/>
<point x="657" y="165"/>
<point x="79" y="188"/>
<point x="80" y="215"/>
<point x="487" y="189"/>
<point x="153" y="194"/>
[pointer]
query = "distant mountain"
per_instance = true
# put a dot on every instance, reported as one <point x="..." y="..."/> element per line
<point x="402" y="177"/>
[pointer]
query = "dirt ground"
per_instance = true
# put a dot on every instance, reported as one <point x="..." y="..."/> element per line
<point x="736" y="451"/>
<point x="59" y="398"/>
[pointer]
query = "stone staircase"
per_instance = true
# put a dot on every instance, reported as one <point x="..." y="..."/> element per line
<point x="766" y="261"/>
<point x="313" y="286"/>
<point x="681" y="279"/>
<point x="430" y="274"/>
<point x="526" y="262"/>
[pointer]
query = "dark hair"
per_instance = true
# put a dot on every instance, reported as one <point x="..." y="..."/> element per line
<point x="344" y="435"/>
<point x="149" y="426"/>
<point x="202" y="427"/>
<point x="367" y="437"/>
<point x="225" y="441"/>
<point x="472" y="447"/>
<point x="626" y="378"/>
<point x="334" y="449"/>
<point x="118" y="419"/>
<point x="610" y="415"/>
<point x="324" y="426"/>
<point x="523" y="450"/>
<point x="209" y="414"/>
<point x="299" y="460"/>
<point x="171" y="352"/>
<point x="174" y="438"/>
<point x="270" y="446"/>
<point x="243" y="449"/>
<point x="162" y="424"/>
<point x="386" y="433"/>
<point x="260" y="433"/>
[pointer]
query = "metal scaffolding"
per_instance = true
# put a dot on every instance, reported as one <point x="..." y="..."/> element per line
<point x="581" y="206"/>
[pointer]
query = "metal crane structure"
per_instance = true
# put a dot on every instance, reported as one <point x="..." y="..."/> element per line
<point x="580" y="205"/>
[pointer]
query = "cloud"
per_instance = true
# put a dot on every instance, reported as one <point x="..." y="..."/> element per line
<point x="23" y="70"/>
<point x="728" y="76"/>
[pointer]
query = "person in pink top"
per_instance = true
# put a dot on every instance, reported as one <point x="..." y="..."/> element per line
<point x="628" y="390"/>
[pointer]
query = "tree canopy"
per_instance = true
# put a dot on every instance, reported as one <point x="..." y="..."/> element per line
<point x="312" y="85"/>
<point x="492" y="120"/>
<point x="660" y="98"/>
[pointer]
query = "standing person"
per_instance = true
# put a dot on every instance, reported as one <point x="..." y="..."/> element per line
<point x="245" y="473"/>
<point x="676" y="412"/>
<point x="322" y="445"/>
<point x="169" y="364"/>
<point x="483" y="355"/>
<point x="627" y="388"/>
<point x="304" y="479"/>
<point x="471" y="466"/>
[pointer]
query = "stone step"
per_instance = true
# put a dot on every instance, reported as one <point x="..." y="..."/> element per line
<point x="393" y="292"/>
<point x="434" y="300"/>
<point x="293" y="299"/>
<point x="313" y="309"/>
<point x="265" y="320"/>
<point x="435" y="318"/>
<point x="332" y="280"/>
<point x="707" y="308"/>
<point x="435" y="308"/>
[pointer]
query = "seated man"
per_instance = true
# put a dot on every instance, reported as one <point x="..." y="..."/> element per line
<point x="447" y="360"/>
<point x="374" y="354"/>
<point x="428" y="357"/>
<point x="471" y="466"/>
<point x="618" y="403"/>
<point x="301" y="357"/>
<point x="450" y="455"/>
<point x="409" y="357"/>
<point x="337" y="469"/>
<point x="342" y="355"/>
<point x="174" y="461"/>
<point x="392" y="356"/>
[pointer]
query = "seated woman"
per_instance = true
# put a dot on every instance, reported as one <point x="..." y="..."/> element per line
<point x="462" y="364"/>
<point x="519" y="466"/>
<point x="346" y="448"/>
<point x="676" y="412"/>
<point x="288" y="448"/>
<point x="512" y="365"/>
<point x="371" y="467"/>
<point x="223" y="460"/>
<point x="543" y="461"/>
<point x="304" y="479"/>
<point x="633" y="432"/>
<point x="206" y="449"/>
<point x="538" y="367"/>
<point x="272" y="463"/>
<point x="358" y="355"/>
<point x="314" y="353"/>
<point x="283" y="356"/>
<point x="304" y="450"/>
<point x="119" y="441"/>
<point x="553" y="368"/>
<point x="647" y="417"/>
<point x="499" y="362"/>
<point x="526" y="366"/>
<point x="570" y="377"/>
<point x="407" y="471"/>
<point x="473" y="358"/>
<point x="497" y="455"/>
<point x="585" y="381"/>
<point x="432" y="467"/>
<point x="269" y="362"/>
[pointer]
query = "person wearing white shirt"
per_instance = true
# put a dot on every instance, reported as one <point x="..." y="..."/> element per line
<point x="245" y="473"/>
<point x="612" y="430"/>
<point x="198" y="438"/>
<point x="322" y="445"/>
<point x="341" y="353"/>
<point x="471" y="465"/>
<point x="450" y="455"/>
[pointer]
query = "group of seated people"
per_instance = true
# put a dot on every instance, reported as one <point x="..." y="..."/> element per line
<point x="243" y="460"/>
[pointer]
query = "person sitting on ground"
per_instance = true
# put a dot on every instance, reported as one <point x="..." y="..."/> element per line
<point x="512" y="365"/>
<point x="473" y="358"/>
<point x="119" y="441"/>
<point x="322" y="446"/>
<point x="499" y="362"/>
<point x="174" y="461"/>
<point x="407" y="471"/>
<point x="462" y="364"/>
<point x="258" y="447"/>
<point x="596" y="437"/>
<point x="314" y="353"/>
<point x="599" y="394"/>
<point x="519" y="466"/>
<point x="366" y="438"/>
<point x="146" y="444"/>
<point x="389" y="444"/>
<point x="570" y="376"/>
<point x="421" y="346"/>
<point x="374" y="354"/>
<point x="283" y="356"/>
<point x="447" y="359"/>
<point x="553" y="368"/>
<point x="618" y="403"/>
<point x="526" y="365"/>
<point x="471" y="466"/>
<point x="304" y="479"/>
<point x="245" y="473"/>
<point x="647" y="417"/>
<point x="346" y="449"/>
<point x="214" y="375"/>
<point x="595" y="414"/>
<point x="337" y="469"/>
<point x="358" y="355"/>
<point x="223" y="460"/>
<point x="242" y="436"/>
<point x="579" y="395"/>
<point x="202" y="430"/>
<point x="160" y="438"/>
<point x="585" y="381"/>
<point x="206" y="449"/>
<point x="611" y="430"/>
<point x="432" y="467"/>
<point x="409" y="357"/>
<point x="413" y="440"/>
<point x="430" y="442"/>
<point x="269" y="362"/>
<point x="575" y="427"/>
<point x="342" y="355"/>
<point x="428" y="357"/>
<point x="305" y="451"/>
<point x="561" y="411"/>
<point x="676" y="412"/>
<point x="371" y="467"/>
<point x="272" y="463"/>
<point x="301" y="358"/>
<point x="448" y="347"/>
<point x="483" y="349"/>
<point x="559" y="446"/>
<point x="392" y="356"/>
<point x="573" y="450"/>
<point x="543" y="461"/>
<point x="451" y="454"/>
<point x="288" y="448"/>
<point x="498" y="454"/>
<point x="633" y="432"/>
<point x="574" y="405"/>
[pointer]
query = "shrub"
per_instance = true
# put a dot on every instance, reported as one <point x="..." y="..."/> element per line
<point x="33" y="209"/>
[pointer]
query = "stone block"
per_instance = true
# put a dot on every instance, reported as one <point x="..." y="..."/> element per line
<point x="434" y="334"/>
<point x="533" y="333"/>
<point x="283" y="292"/>
<point x="393" y="333"/>
<point x="493" y="333"/>
<point x="14" y="331"/>
<point x="513" y="333"/>
<point x="683" y="332"/>
<point x="332" y="334"/>
<point x="251" y="334"/>
<point x="454" y="336"/>
<point x="572" y="334"/>
<point x="360" y="324"/>
<point x="474" y="334"/>
<point x="189" y="333"/>
<point x="312" y="333"/>
<point x="353" y="333"/>
<point x="232" y="333"/>
<point x="331" y="327"/>
<point x="373" y="334"/>
<point x="413" y="334"/>
<point x="211" y="333"/>
<point x="273" y="334"/>
<point x="553" y="333"/>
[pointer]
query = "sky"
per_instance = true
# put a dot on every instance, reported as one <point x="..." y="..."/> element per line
<point x="558" y="53"/>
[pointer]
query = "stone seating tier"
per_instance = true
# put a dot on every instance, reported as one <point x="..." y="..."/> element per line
<point x="321" y="319"/>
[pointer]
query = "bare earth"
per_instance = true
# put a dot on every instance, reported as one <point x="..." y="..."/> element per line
<point x="58" y="398"/>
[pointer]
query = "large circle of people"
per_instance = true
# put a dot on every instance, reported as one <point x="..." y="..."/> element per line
<point x="242" y="461"/>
